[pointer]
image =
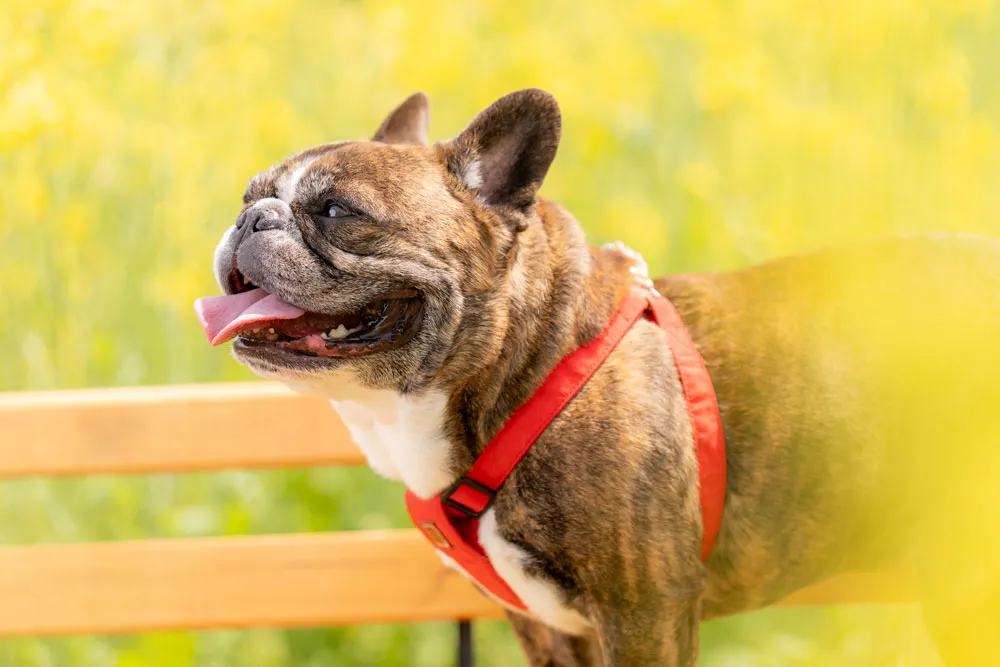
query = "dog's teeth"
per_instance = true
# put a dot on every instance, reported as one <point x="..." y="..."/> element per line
<point x="271" y="331"/>
<point x="324" y="336"/>
<point x="340" y="331"/>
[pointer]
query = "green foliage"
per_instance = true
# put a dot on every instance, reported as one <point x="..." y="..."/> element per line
<point x="708" y="134"/>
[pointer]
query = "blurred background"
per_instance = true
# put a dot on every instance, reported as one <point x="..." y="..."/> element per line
<point x="708" y="134"/>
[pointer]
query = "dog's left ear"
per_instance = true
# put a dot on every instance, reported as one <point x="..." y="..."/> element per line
<point x="506" y="150"/>
<point x="408" y="123"/>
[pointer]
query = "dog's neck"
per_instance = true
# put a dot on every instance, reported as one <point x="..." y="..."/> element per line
<point x="558" y="294"/>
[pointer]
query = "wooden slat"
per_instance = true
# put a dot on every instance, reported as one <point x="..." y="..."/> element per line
<point x="270" y="581"/>
<point x="238" y="582"/>
<point x="168" y="429"/>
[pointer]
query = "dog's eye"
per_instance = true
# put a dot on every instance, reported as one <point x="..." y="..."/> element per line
<point x="338" y="211"/>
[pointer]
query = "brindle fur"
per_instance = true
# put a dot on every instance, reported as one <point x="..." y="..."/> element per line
<point x="835" y="451"/>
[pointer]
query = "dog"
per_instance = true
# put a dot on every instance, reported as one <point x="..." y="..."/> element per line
<point x="427" y="291"/>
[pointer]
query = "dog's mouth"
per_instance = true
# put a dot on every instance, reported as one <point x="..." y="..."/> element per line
<point x="258" y="320"/>
<point x="380" y="325"/>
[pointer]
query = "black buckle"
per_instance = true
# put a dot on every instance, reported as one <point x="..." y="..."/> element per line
<point x="446" y="497"/>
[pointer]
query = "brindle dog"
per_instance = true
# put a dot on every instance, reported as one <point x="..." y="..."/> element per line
<point x="427" y="291"/>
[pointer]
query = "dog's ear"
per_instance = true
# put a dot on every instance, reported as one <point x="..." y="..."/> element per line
<point x="408" y="123"/>
<point x="506" y="150"/>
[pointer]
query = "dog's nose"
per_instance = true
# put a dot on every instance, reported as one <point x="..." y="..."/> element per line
<point x="270" y="213"/>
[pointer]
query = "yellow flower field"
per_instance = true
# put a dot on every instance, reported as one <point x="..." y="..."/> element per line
<point x="709" y="134"/>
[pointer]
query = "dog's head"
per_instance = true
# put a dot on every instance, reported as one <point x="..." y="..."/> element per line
<point x="388" y="257"/>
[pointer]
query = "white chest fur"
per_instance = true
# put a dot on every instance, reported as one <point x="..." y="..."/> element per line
<point x="540" y="596"/>
<point x="403" y="439"/>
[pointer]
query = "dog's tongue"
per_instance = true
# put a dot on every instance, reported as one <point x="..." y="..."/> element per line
<point x="222" y="316"/>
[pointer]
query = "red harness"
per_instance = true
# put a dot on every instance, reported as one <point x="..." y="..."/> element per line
<point x="451" y="520"/>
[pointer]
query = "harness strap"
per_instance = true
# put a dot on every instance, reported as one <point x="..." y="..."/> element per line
<point x="451" y="520"/>
<point x="473" y="494"/>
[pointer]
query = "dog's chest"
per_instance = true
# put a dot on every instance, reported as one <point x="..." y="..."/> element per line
<point x="403" y="438"/>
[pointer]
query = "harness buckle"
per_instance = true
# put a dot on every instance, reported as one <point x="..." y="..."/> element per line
<point x="448" y="500"/>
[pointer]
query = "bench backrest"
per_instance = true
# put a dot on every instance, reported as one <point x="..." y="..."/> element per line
<point x="343" y="578"/>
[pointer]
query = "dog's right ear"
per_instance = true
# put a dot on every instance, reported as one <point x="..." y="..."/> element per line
<point x="408" y="123"/>
<point x="505" y="152"/>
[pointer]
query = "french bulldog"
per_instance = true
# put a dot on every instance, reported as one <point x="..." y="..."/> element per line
<point x="427" y="290"/>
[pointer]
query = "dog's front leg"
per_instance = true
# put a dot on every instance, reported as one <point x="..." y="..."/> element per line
<point x="545" y="647"/>
<point x="670" y="639"/>
<point x="645" y="613"/>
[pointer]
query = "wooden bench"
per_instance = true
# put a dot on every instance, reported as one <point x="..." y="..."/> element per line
<point x="343" y="578"/>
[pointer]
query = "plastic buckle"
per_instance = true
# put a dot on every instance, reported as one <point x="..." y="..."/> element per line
<point x="446" y="497"/>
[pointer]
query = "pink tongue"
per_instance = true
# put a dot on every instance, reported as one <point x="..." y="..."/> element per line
<point x="223" y="316"/>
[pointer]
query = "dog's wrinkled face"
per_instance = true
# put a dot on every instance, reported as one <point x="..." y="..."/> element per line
<point x="386" y="257"/>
